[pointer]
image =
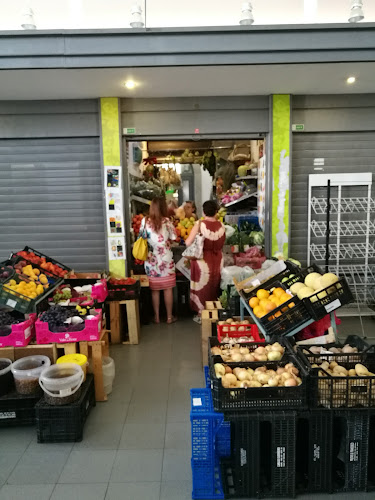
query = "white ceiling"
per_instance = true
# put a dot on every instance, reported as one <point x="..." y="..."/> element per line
<point x="188" y="81"/>
<point x="89" y="14"/>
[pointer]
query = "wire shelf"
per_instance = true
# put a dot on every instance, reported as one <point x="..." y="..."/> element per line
<point x="345" y="251"/>
<point x="347" y="228"/>
<point x="357" y="274"/>
<point x="347" y="206"/>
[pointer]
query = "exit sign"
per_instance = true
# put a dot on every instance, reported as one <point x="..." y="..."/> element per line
<point x="129" y="131"/>
<point x="298" y="127"/>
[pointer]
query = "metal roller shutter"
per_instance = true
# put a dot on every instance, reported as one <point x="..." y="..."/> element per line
<point x="51" y="199"/>
<point x="344" y="152"/>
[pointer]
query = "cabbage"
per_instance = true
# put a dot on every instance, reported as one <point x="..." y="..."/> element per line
<point x="257" y="237"/>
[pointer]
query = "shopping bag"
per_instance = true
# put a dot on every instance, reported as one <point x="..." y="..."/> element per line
<point x="140" y="249"/>
<point x="195" y="250"/>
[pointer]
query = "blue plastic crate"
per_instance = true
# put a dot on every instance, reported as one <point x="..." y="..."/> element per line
<point x="207" y="482"/>
<point x="205" y="424"/>
<point x="207" y="377"/>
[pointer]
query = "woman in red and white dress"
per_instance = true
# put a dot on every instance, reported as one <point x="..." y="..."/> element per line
<point x="159" y="266"/>
<point x="206" y="272"/>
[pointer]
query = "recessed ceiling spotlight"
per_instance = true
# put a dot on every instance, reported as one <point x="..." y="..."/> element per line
<point x="356" y="11"/>
<point x="350" y="80"/>
<point x="130" y="84"/>
<point x="247" y="17"/>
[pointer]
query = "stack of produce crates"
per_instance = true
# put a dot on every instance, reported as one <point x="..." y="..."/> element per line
<point x="266" y="442"/>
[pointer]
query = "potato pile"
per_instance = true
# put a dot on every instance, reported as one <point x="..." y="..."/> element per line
<point x="286" y="376"/>
<point x="237" y="340"/>
<point x="325" y="352"/>
<point x="347" y="349"/>
<point x="348" y="391"/>
<point x="235" y="353"/>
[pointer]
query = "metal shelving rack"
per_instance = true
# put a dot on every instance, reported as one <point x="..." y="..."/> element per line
<point x="341" y="233"/>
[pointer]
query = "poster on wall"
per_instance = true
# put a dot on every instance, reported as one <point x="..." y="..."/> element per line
<point x="113" y="178"/>
<point x="262" y="193"/>
<point x="116" y="248"/>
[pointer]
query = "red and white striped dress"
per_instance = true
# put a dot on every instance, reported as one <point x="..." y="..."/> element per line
<point x="206" y="272"/>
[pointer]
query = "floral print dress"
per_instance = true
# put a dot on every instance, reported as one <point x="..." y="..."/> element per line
<point x="159" y="265"/>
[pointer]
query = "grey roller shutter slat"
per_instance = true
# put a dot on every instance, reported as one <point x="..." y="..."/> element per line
<point x="51" y="199"/>
<point x="343" y="153"/>
<point x="211" y="115"/>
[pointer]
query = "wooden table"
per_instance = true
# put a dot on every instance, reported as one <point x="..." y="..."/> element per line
<point x="49" y="350"/>
<point x="134" y="327"/>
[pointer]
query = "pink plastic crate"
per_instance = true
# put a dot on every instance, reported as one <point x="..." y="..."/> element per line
<point x="21" y="334"/>
<point x="100" y="291"/>
<point x="92" y="331"/>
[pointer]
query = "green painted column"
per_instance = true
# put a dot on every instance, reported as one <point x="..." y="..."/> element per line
<point x="111" y="150"/>
<point x="280" y="173"/>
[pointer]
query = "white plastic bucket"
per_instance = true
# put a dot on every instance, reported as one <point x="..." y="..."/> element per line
<point x="26" y="372"/>
<point x="108" y="374"/>
<point x="61" y="383"/>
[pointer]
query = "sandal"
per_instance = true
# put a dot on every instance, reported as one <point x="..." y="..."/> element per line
<point x="156" y="322"/>
<point x="171" y="320"/>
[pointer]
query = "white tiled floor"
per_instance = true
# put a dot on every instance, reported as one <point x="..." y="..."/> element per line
<point x="136" y="446"/>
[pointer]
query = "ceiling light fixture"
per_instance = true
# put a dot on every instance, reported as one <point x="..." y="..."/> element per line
<point x="350" y="80"/>
<point x="247" y="17"/>
<point x="28" y="22"/>
<point x="136" y="16"/>
<point x="130" y="84"/>
<point x="356" y="11"/>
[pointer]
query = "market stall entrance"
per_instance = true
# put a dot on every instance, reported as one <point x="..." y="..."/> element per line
<point x="187" y="173"/>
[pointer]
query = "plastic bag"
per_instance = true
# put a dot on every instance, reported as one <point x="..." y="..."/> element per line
<point x="227" y="275"/>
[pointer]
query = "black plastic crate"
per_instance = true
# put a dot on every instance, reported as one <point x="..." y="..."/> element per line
<point x="273" y="281"/>
<point x="260" y="398"/>
<point x="263" y="456"/>
<point x="371" y="455"/>
<point x="349" y="465"/>
<point x="124" y="292"/>
<point x="333" y="392"/>
<point x="20" y="302"/>
<point x="314" y="451"/>
<point x="329" y="299"/>
<point x="48" y="259"/>
<point x="285" y="318"/>
<point x="17" y="409"/>
<point x="63" y="424"/>
<point x="366" y="352"/>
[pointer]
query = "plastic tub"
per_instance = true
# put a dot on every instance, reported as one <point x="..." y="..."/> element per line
<point x="61" y="383"/>
<point x="78" y="359"/>
<point x="26" y="372"/>
<point x="108" y="374"/>
<point x="6" y="377"/>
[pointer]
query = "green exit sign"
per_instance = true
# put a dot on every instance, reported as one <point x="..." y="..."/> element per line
<point x="129" y="131"/>
<point x="298" y="127"/>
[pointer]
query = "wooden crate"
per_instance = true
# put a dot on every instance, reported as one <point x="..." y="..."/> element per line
<point x="95" y="350"/>
<point x="132" y="311"/>
<point x="209" y="315"/>
<point x="52" y="351"/>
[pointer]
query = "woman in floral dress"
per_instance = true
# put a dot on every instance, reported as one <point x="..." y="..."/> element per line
<point x="159" y="265"/>
<point x="206" y="272"/>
